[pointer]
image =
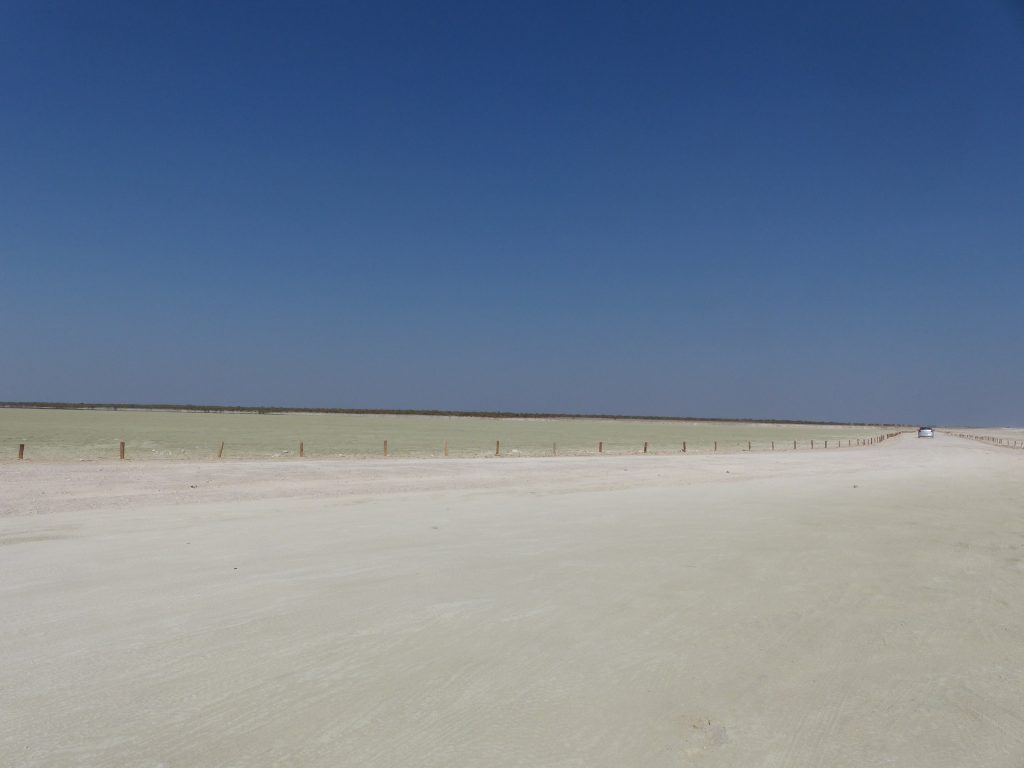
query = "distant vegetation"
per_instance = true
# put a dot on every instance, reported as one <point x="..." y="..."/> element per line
<point x="406" y="412"/>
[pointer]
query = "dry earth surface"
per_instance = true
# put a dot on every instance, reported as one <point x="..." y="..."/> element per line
<point x="67" y="435"/>
<point x="853" y="607"/>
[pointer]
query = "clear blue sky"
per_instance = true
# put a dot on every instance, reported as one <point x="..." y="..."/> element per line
<point x="744" y="209"/>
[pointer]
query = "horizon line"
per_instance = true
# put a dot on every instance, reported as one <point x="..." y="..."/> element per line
<point x="263" y="409"/>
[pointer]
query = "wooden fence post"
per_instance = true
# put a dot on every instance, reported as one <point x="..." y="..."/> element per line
<point x="794" y="445"/>
<point x="497" y="447"/>
<point x="122" y="450"/>
<point x="554" y="449"/>
<point x="716" y="446"/>
<point x="21" y="451"/>
<point x="773" y="445"/>
<point x="302" y="449"/>
<point x="385" y="447"/>
<point x="748" y="445"/>
<point x="812" y="443"/>
<point x="645" y="446"/>
<point x="826" y="443"/>
<point x="600" y="447"/>
<point x="220" y="451"/>
<point x="684" y="446"/>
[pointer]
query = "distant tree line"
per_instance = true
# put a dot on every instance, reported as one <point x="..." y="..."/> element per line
<point x="411" y="412"/>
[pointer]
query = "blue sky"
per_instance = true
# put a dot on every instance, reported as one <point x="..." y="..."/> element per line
<point x="740" y="209"/>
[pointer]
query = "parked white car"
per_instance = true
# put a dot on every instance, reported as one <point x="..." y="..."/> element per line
<point x="926" y="432"/>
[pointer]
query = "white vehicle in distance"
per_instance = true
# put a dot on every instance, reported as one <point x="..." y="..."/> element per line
<point x="926" y="432"/>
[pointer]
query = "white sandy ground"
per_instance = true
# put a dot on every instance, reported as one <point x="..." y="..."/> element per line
<point x="855" y="607"/>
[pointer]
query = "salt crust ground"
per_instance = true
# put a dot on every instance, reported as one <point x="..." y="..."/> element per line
<point x="855" y="607"/>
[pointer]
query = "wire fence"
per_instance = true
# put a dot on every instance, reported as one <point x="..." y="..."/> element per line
<point x="150" y="449"/>
<point x="1003" y="442"/>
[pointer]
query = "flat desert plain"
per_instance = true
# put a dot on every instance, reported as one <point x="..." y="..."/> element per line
<point x="851" y="607"/>
<point x="161" y="435"/>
